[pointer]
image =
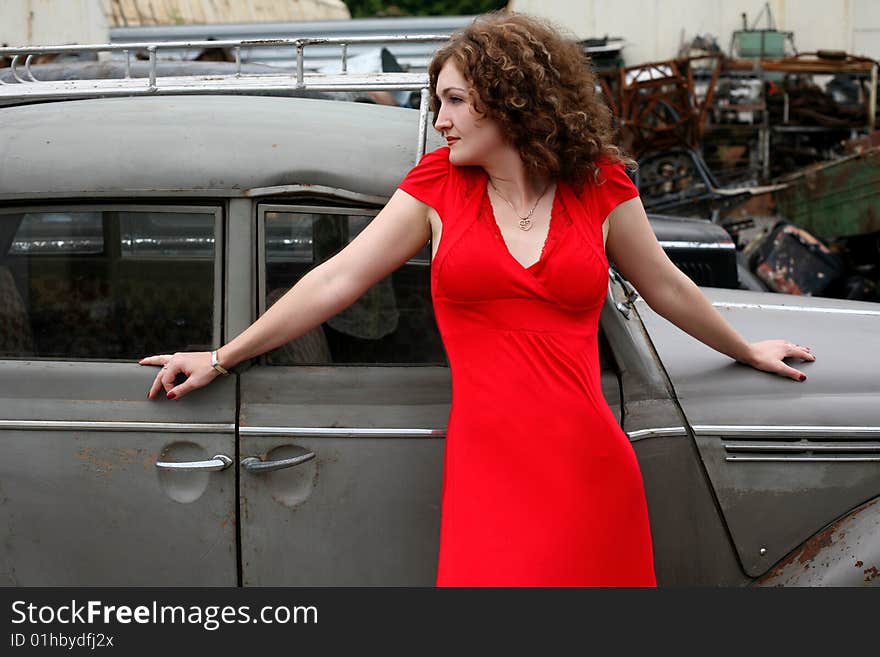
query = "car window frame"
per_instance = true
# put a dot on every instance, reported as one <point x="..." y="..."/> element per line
<point x="113" y="248"/>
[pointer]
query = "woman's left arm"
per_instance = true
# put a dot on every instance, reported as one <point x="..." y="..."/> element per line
<point x="634" y="248"/>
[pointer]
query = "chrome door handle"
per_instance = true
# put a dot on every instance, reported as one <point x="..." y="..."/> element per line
<point x="257" y="465"/>
<point x="219" y="462"/>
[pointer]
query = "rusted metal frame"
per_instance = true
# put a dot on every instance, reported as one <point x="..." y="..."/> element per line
<point x="817" y="66"/>
<point x="609" y="95"/>
<point x="794" y="65"/>
<point x="672" y="64"/>
<point x="695" y="108"/>
<point x="648" y="109"/>
<point x="676" y="79"/>
<point x="624" y="98"/>
<point x="675" y="88"/>
<point x="672" y="98"/>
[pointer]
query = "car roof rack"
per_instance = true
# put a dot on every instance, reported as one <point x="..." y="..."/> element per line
<point x="27" y="87"/>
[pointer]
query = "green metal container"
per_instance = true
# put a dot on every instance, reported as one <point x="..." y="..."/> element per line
<point x="760" y="43"/>
<point x="835" y="199"/>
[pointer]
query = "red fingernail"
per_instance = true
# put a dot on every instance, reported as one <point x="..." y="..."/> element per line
<point x="802" y="377"/>
<point x="171" y="395"/>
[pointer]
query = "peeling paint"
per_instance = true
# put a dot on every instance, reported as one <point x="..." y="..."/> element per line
<point x="821" y="560"/>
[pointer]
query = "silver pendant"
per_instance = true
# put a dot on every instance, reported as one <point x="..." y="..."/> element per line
<point x="525" y="223"/>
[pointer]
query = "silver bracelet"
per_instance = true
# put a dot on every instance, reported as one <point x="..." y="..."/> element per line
<point x="216" y="365"/>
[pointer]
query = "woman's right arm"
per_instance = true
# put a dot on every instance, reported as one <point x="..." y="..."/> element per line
<point x="389" y="240"/>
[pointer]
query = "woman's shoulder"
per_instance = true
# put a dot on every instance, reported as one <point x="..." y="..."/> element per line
<point x="608" y="173"/>
<point x="610" y="185"/>
<point x="435" y="173"/>
<point x="435" y="180"/>
<point x="609" y="165"/>
<point x="436" y="160"/>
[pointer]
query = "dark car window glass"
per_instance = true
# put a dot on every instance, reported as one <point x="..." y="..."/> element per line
<point x="392" y="323"/>
<point x="183" y="235"/>
<point x="107" y="283"/>
<point x="59" y="232"/>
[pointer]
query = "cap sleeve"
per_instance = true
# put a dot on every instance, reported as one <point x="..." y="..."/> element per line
<point x="428" y="181"/>
<point x="613" y="188"/>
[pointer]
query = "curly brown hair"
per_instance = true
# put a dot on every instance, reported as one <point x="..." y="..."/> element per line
<point x="540" y="88"/>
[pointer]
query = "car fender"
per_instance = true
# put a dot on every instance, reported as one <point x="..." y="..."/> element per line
<point x="845" y="553"/>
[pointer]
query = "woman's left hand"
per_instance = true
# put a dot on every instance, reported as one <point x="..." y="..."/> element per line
<point x="768" y="356"/>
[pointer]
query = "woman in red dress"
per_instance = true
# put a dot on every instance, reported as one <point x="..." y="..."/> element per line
<point x="541" y="486"/>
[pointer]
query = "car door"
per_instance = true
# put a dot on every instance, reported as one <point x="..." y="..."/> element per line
<point x="342" y="430"/>
<point x="98" y="484"/>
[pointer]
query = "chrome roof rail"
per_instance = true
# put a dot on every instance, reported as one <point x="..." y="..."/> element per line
<point x="28" y="88"/>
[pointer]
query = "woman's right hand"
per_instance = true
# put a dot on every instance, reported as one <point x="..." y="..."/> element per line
<point x="196" y="365"/>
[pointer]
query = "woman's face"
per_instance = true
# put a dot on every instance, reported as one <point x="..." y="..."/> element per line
<point x="472" y="137"/>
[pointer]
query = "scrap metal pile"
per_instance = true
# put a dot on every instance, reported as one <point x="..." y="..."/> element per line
<point x="780" y="152"/>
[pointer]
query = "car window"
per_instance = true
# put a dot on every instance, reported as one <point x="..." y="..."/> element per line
<point x="59" y="232"/>
<point x="392" y="323"/>
<point x="107" y="282"/>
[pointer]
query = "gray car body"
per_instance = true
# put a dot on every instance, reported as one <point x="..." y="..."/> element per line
<point x="83" y="501"/>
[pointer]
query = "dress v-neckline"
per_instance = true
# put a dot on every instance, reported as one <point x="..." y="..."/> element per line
<point x="500" y="235"/>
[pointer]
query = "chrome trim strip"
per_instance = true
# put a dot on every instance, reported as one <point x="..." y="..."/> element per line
<point x="173" y="427"/>
<point x="655" y="432"/>
<point x="804" y="447"/>
<point x="729" y="430"/>
<point x="807" y="309"/>
<point x="672" y="244"/>
<point x="341" y="432"/>
<point x="805" y="459"/>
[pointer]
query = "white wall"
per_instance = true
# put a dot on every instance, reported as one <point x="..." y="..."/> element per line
<point x="54" y="22"/>
<point x="45" y="22"/>
<point x="866" y="28"/>
<point x="654" y="29"/>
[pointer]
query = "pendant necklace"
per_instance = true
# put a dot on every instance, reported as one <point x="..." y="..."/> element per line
<point x="524" y="222"/>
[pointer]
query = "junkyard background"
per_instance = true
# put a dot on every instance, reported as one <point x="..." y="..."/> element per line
<point x="759" y="117"/>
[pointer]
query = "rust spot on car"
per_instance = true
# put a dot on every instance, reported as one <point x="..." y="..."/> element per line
<point x="871" y="573"/>
<point x="808" y="552"/>
<point x="230" y="517"/>
<point x="812" y="547"/>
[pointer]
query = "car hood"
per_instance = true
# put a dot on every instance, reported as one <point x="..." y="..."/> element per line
<point x="842" y="386"/>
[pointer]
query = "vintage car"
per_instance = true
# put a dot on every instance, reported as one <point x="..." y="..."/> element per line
<point x="139" y="225"/>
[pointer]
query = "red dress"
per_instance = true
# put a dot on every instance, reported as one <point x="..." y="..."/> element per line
<point x="541" y="486"/>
